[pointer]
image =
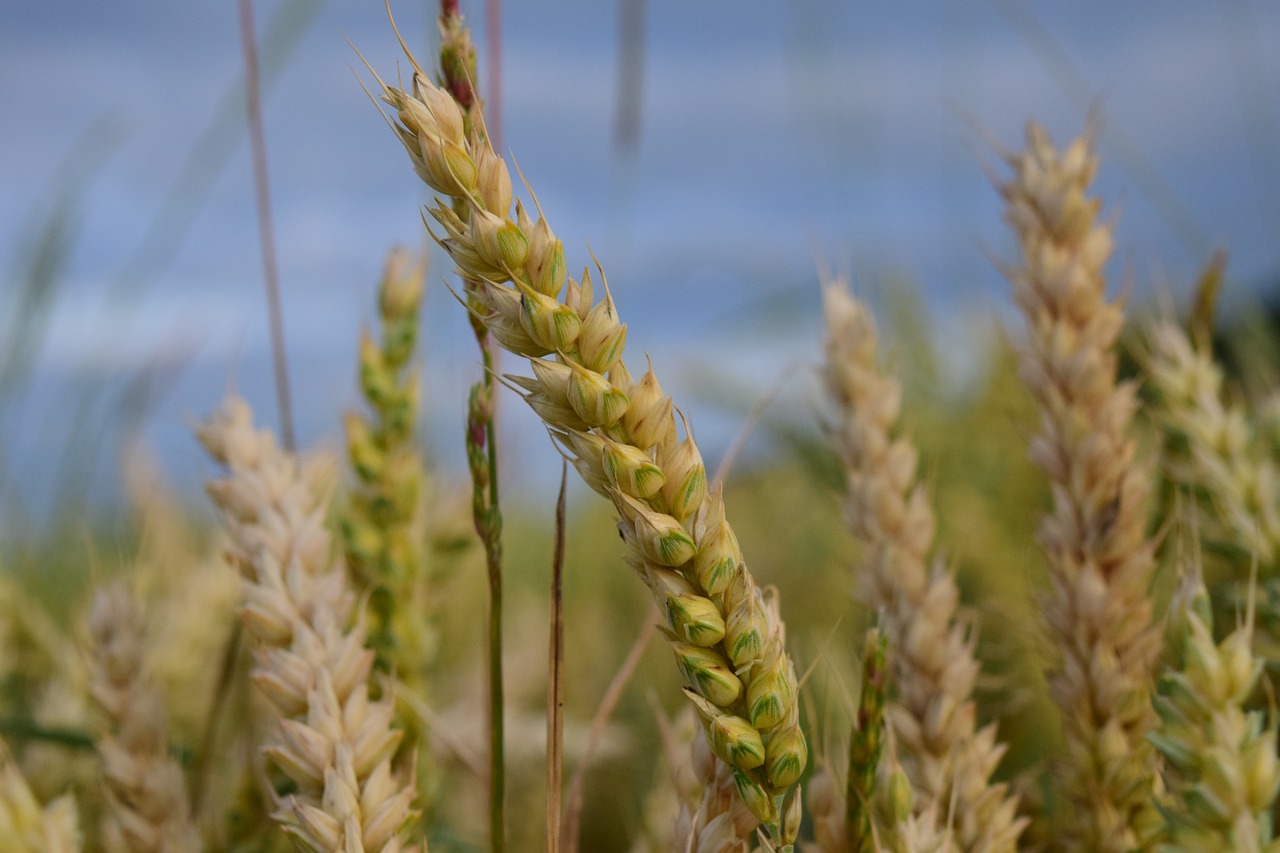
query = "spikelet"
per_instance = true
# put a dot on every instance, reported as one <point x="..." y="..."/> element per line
<point x="25" y="825"/>
<point x="1100" y="561"/>
<point x="332" y="742"/>
<point x="1223" y="758"/>
<point x="947" y="759"/>
<point x="717" y="820"/>
<point x="591" y="402"/>
<point x="146" y="795"/>
<point x="1219" y="448"/>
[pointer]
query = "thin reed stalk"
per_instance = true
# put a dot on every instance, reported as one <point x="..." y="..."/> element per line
<point x="555" y="677"/>
<point x="266" y="226"/>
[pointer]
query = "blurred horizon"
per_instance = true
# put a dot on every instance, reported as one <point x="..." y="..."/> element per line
<point x="771" y="137"/>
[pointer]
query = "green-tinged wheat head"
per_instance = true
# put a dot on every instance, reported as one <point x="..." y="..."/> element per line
<point x="620" y="434"/>
<point x="1222" y="757"/>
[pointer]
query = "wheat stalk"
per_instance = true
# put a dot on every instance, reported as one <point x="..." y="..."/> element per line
<point x="949" y="760"/>
<point x="147" y="807"/>
<point x="1098" y="608"/>
<point x="332" y="742"/>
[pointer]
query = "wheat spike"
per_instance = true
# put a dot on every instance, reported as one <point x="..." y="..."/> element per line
<point x="1223" y="758"/>
<point x="620" y="433"/>
<point x="147" y="807"/>
<point x="1221" y="449"/>
<point x="949" y="760"/>
<point x="1100" y="560"/>
<point x="333" y="742"/>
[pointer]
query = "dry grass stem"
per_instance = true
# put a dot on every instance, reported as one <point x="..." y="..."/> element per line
<point x="333" y="743"/>
<point x="948" y="760"/>
<point x="1098" y="607"/>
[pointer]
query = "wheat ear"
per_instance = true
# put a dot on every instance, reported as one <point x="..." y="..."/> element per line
<point x="147" y="807"/>
<point x="383" y="530"/>
<point x="1218" y="446"/>
<point x="1100" y="560"/>
<point x="25" y="825"/>
<point x="332" y="742"/>
<point x="948" y="759"/>
<point x="1225" y="772"/>
<point x="620" y="433"/>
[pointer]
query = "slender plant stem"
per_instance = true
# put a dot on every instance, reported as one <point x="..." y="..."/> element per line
<point x="457" y="68"/>
<point x="555" y="687"/>
<point x="266" y="234"/>
<point x="497" y="778"/>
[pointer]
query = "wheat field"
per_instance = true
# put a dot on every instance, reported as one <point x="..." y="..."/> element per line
<point x="1038" y="613"/>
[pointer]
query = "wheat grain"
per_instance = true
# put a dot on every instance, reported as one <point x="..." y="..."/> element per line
<point x="384" y="527"/>
<point x="1221" y="456"/>
<point x="1225" y="772"/>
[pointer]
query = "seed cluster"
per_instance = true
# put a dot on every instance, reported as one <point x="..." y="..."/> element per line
<point x="1215" y="447"/>
<point x="620" y="434"/>
<point x="383" y="531"/>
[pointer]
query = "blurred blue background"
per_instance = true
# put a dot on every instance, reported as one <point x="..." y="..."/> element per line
<point x="764" y="137"/>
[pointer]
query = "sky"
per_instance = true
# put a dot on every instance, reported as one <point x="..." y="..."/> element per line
<point x="773" y="136"/>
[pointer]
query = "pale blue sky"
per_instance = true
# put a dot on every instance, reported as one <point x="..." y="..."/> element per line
<point x="771" y="132"/>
